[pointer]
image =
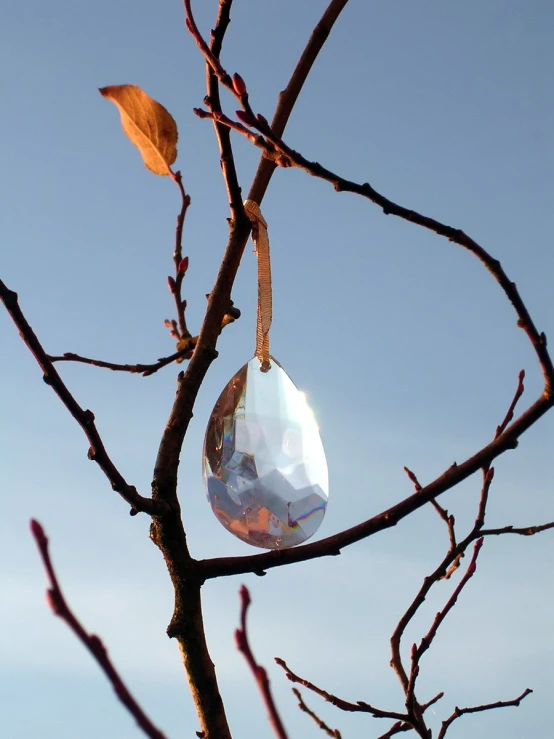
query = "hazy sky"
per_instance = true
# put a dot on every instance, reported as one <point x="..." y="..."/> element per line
<point x="406" y="347"/>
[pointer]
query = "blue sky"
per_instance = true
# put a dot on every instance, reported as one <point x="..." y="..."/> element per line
<point x="407" y="349"/>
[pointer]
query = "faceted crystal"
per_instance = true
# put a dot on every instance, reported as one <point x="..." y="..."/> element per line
<point x="265" y="470"/>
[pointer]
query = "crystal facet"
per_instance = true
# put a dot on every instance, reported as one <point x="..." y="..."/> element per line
<point x="265" y="470"/>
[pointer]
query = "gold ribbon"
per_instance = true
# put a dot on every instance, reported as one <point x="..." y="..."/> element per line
<point x="265" y="311"/>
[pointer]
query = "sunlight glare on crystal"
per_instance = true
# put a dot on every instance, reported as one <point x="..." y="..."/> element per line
<point x="264" y="467"/>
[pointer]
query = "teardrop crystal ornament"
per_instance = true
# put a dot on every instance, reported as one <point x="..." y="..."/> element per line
<point x="265" y="470"/>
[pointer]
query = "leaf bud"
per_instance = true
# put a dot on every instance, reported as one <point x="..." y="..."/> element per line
<point x="37" y="531"/>
<point x="239" y="85"/>
<point x="53" y="600"/>
<point x="246" y="118"/>
<point x="183" y="266"/>
<point x="171" y="284"/>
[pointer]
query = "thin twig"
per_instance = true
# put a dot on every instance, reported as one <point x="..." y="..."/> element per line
<point x="143" y="369"/>
<point x="441" y="615"/>
<point x="488" y="476"/>
<point x="519" y="530"/>
<point x="510" y="413"/>
<point x="395" y="729"/>
<point x="91" y="642"/>
<point x="449" y="520"/>
<point x="443" y="513"/>
<point x="85" y="418"/>
<point x="413" y="707"/>
<point x="478" y="709"/>
<point x="319" y="722"/>
<point x="358" y="707"/>
<point x="487" y="470"/>
<point x="181" y="265"/>
<point x="413" y="478"/>
<point x="211" y="54"/>
<point x="259" y="672"/>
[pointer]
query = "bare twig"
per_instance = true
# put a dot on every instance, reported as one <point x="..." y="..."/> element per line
<point x="358" y="707"/>
<point x="441" y="615"/>
<point x="443" y="513"/>
<point x="510" y="413"/>
<point x="519" y="530"/>
<point x="449" y="521"/>
<point x="478" y="709"/>
<point x="143" y="369"/>
<point x="227" y="159"/>
<point x="91" y="642"/>
<point x="319" y="722"/>
<point x="85" y="418"/>
<point x="259" y="672"/>
<point x="413" y="478"/>
<point x="181" y="265"/>
<point x="395" y="729"/>
<point x="488" y="476"/>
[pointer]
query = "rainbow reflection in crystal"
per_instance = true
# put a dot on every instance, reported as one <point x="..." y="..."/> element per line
<point x="265" y="470"/>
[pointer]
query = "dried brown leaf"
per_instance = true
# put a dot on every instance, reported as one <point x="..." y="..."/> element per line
<point x="147" y="124"/>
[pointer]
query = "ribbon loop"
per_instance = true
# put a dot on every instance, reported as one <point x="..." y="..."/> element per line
<point x="265" y="310"/>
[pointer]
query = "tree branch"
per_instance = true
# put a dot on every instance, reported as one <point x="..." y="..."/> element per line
<point x="85" y="418"/>
<point x="91" y="642"/>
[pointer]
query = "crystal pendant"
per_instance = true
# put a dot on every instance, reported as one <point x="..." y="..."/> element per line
<point x="265" y="470"/>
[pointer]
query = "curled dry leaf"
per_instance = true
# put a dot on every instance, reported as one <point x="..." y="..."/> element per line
<point x="147" y="124"/>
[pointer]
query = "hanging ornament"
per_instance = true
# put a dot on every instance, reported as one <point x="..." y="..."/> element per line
<point x="264" y="467"/>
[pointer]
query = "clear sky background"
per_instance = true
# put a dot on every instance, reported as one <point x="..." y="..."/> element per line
<point x="406" y="347"/>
